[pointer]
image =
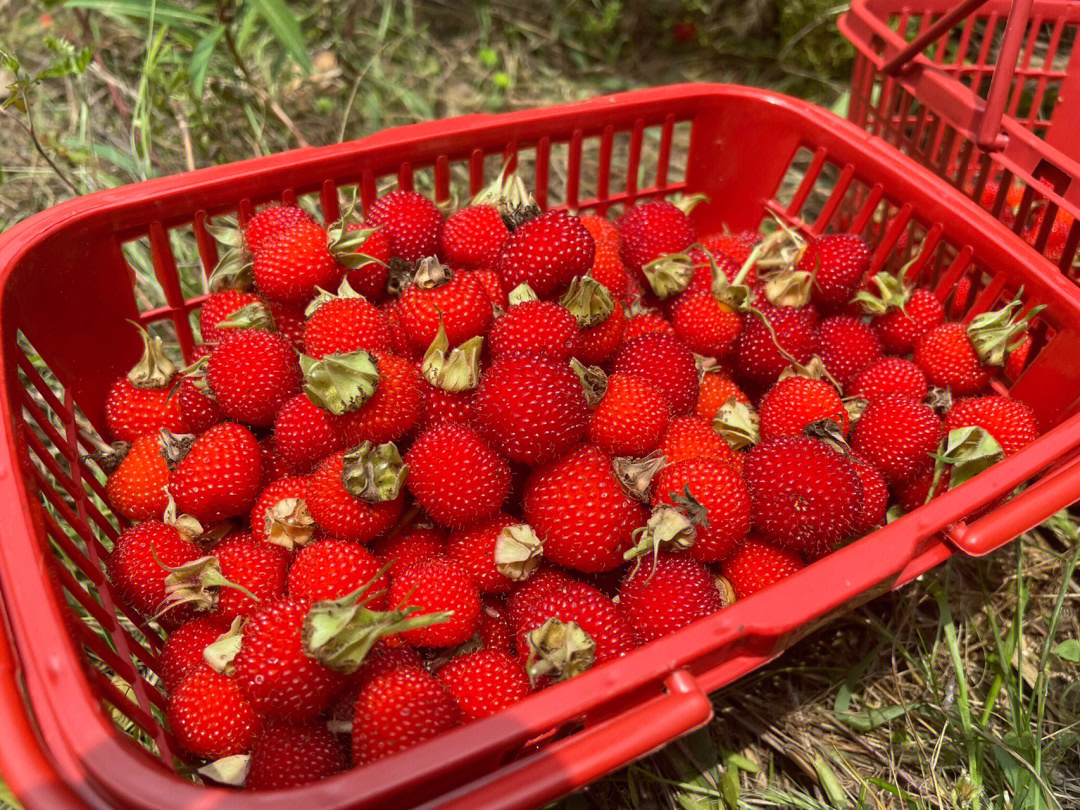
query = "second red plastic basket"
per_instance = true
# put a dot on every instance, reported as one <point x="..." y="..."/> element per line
<point x="986" y="95"/>
<point x="79" y="679"/>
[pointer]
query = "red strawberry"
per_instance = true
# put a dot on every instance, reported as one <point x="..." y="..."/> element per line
<point x="333" y="569"/>
<point x="355" y="495"/>
<point x="345" y="324"/>
<point x="304" y="433"/>
<point x="689" y="437"/>
<point x="961" y="298"/>
<point x="398" y="340"/>
<point x="221" y="474"/>
<point x="485" y="681"/>
<point x="546" y="253"/>
<point x="603" y="631"/>
<point x="252" y="565"/>
<point x="902" y="324"/>
<point x="806" y="496"/>
<point x="667" y="364"/>
<point x="209" y="716"/>
<point x="269" y="224"/>
<point x="198" y="409"/>
<point x="459" y="297"/>
<point x="281" y="516"/>
<point x="890" y="375"/>
<point x="651" y="230"/>
<point x="412" y="222"/>
<point x="722" y="494"/>
<point x="631" y="418"/>
<point x="476" y="549"/>
<point x="577" y="505"/>
<point x="895" y="434"/>
<point x="398" y="710"/>
<point x="532" y="410"/>
<point x="415" y="544"/>
<point x="273" y="670"/>
<point x="667" y="593"/>
<point x="183" y="650"/>
<point x="456" y="476"/>
<point x="472" y="237"/>
<point x="603" y="231"/>
<point x="646" y="322"/>
<point x="875" y="497"/>
<point x="288" y="269"/>
<point x="1058" y="236"/>
<point x="915" y="492"/>
<point x="369" y="279"/>
<point x="949" y="360"/>
<point x="435" y="585"/>
<point x="839" y="262"/>
<point x="716" y="389"/>
<point x="1009" y="421"/>
<point x="288" y="755"/>
<point x="796" y="402"/>
<point x="542" y="328"/>
<point x="217" y="307"/>
<point x="139" y="404"/>
<point x="136" y="489"/>
<point x="597" y="344"/>
<point x="251" y="374"/>
<point x="382" y="658"/>
<point x="758" y="356"/>
<point x="846" y="346"/>
<point x="756" y="564"/>
<point x="134" y="567"/>
<point x="392" y="410"/>
<point x="1017" y="358"/>
<point x="607" y="267"/>
<point x="705" y="324"/>
<point x="737" y="246"/>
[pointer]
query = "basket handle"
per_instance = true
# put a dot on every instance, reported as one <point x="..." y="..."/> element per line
<point x="577" y="760"/>
<point x="1050" y="494"/>
<point x="988" y="134"/>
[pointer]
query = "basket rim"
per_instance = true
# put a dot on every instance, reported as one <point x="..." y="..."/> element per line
<point x="89" y="754"/>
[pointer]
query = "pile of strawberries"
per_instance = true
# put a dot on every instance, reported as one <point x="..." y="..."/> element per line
<point x="424" y="466"/>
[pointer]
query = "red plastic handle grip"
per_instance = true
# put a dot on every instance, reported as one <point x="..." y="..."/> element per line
<point x="26" y="770"/>
<point x="579" y="759"/>
<point x="1052" y="493"/>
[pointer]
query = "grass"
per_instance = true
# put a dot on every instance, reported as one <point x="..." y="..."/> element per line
<point x="957" y="692"/>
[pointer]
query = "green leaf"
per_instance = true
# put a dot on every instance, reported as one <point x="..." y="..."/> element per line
<point x="164" y="13"/>
<point x="1068" y="650"/>
<point x="874" y="718"/>
<point x="10" y="61"/>
<point x="286" y="29"/>
<point x="200" y="59"/>
<point x="69" y="62"/>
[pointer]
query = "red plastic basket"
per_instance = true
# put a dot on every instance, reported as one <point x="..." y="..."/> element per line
<point x="66" y="291"/>
<point x="985" y="94"/>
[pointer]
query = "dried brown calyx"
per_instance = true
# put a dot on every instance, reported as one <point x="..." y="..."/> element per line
<point x="559" y="650"/>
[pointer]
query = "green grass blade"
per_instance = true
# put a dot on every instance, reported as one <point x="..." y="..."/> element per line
<point x="286" y="29"/>
<point x="200" y="59"/>
<point x="165" y="13"/>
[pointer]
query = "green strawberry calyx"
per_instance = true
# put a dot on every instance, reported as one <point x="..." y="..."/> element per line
<point x="892" y="293"/>
<point x="779" y="256"/>
<point x="344" y="243"/>
<point x="671" y="526"/>
<point x="588" y="300"/>
<point x="966" y="451"/>
<point x="522" y="294"/>
<point x="559" y="650"/>
<point x="196" y="583"/>
<point x="255" y="315"/>
<point x="339" y="633"/>
<point x="231" y="771"/>
<point x="374" y="473"/>
<point x="593" y="381"/>
<point x="219" y="654"/>
<point x="669" y="275"/>
<point x="154" y="369"/>
<point x="340" y="383"/>
<point x="508" y="194"/>
<point x="322" y="296"/>
<point x="635" y="475"/>
<point x="289" y="524"/>
<point x="995" y="334"/>
<point x="738" y="424"/>
<point x="518" y="552"/>
<point x="454" y="370"/>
